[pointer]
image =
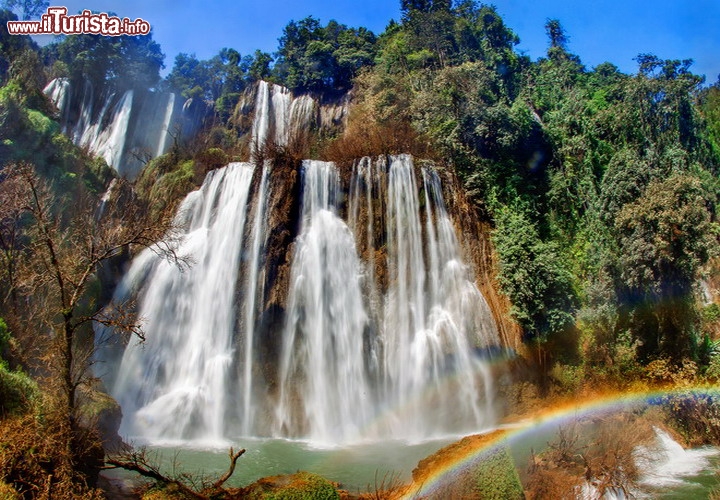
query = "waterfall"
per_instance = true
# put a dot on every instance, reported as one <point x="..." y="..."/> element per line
<point x="280" y="117"/>
<point x="433" y="316"/>
<point x="261" y="123"/>
<point x="281" y="102"/>
<point x="409" y="353"/>
<point x="126" y="129"/>
<point x="109" y="141"/>
<point x="381" y="319"/>
<point x="103" y="133"/>
<point x="323" y="363"/>
<point x="254" y="288"/>
<point x="365" y="324"/>
<point x="164" y="132"/>
<point x="176" y="385"/>
<point x="130" y="128"/>
<point x="58" y="90"/>
<point x="664" y="462"/>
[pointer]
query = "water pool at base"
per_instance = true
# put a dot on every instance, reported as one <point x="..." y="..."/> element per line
<point x="368" y="467"/>
<point x="357" y="468"/>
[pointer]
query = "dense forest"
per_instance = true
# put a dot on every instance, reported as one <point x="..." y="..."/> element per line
<point x="600" y="190"/>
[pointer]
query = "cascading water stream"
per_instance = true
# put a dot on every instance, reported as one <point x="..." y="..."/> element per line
<point x="125" y="129"/>
<point x="175" y="386"/>
<point x="261" y="123"/>
<point x="409" y="355"/>
<point x="253" y="293"/>
<point x="164" y="136"/>
<point x="324" y="392"/>
<point x="363" y="353"/>
<point x="434" y="315"/>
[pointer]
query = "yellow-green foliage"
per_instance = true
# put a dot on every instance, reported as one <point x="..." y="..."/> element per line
<point x="211" y="158"/>
<point x="42" y="124"/>
<point x="7" y="492"/>
<point x="696" y="415"/>
<point x="164" y="181"/>
<point x="299" y="486"/>
<point x="30" y="135"/>
<point x="17" y="390"/>
<point x="492" y="475"/>
<point x="497" y="478"/>
<point x="169" y="492"/>
<point x="568" y="378"/>
<point x="179" y="178"/>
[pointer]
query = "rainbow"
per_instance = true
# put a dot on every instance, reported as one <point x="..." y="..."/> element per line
<point x="594" y="405"/>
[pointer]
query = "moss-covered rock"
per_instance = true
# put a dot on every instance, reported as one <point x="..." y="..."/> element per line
<point x="165" y="181"/>
<point x="299" y="486"/>
<point x="210" y="159"/>
<point x="490" y="476"/>
<point x="496" y="477"/>
<point x="101" y="412"/>
<point x="167" y="492"/>
<point x="474" y="467"/>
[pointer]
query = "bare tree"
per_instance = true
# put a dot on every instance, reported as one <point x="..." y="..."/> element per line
<point x="12" y="203"/>
<point x="138" y="461"/>
<point x="52" y="267"/>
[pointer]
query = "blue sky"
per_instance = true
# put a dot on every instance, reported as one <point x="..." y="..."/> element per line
<point x="599" y="30"/>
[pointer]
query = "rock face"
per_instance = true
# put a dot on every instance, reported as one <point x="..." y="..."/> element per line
<point x="127" y="129"/>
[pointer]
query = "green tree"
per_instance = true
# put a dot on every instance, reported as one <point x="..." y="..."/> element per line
<point x="535" y="276"/>
<point x="664" y="237"/>
<point x="259" y="68"/>
<point x="123" y="62"/>
<point x="315" y="57"/>
<point x="11" y="46"/>
<point x="710" y="108"/>
<point x="186" y="74"/>
<point x="556" y="34"/>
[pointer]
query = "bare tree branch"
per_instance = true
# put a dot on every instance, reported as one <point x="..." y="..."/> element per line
<point x="231" y="469"/>
<point x="138" y="461"/>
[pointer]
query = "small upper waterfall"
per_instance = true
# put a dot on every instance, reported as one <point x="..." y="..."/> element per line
<point x="130" y="128"/>
<point x="280" y="118"/>
<point x="126" y="129"/>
